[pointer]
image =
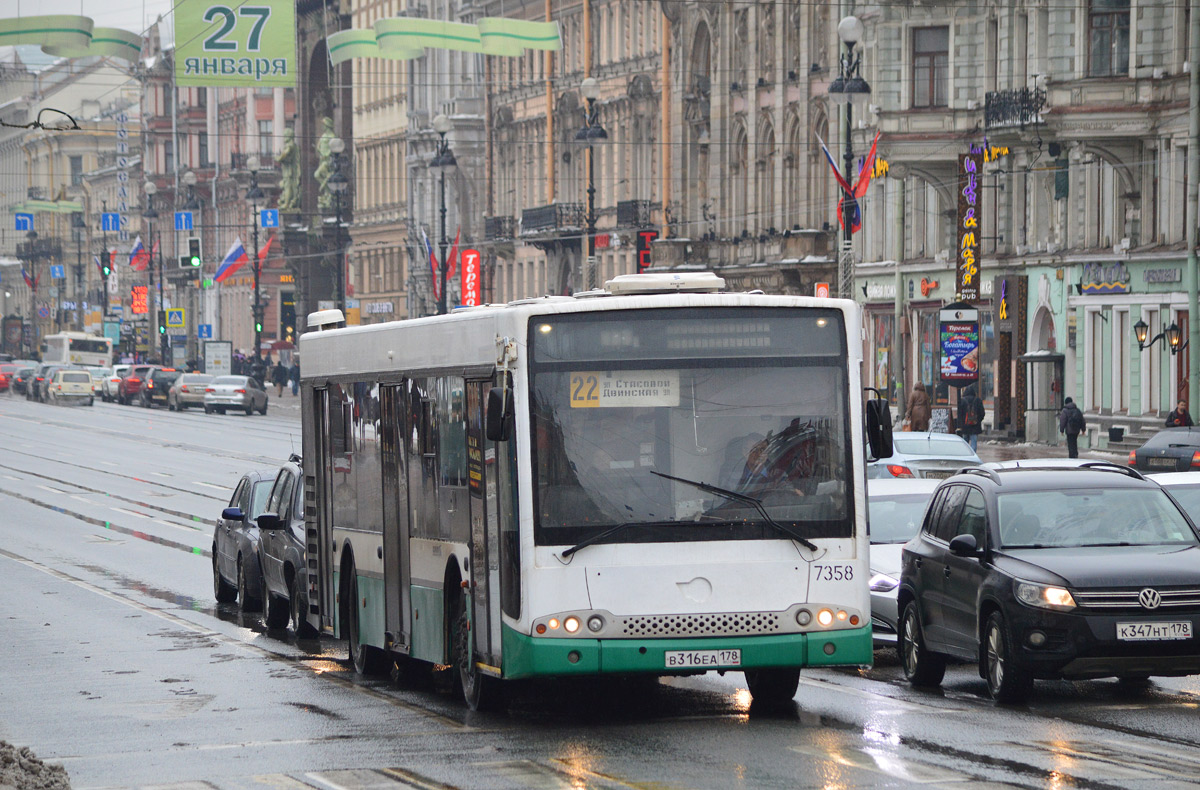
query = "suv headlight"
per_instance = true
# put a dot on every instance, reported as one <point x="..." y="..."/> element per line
<point x="1044" y="596"/>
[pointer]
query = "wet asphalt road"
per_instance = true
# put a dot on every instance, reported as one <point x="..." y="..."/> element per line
<point x="119" y="664"/>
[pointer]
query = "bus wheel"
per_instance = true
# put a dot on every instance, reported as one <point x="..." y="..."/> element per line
<point x="367" y="659"/>
<point x="481" y="692"/>
<point x="773" y="687"/>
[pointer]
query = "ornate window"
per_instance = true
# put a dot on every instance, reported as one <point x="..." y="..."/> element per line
<point x="931" y="66"/>
<point x="1108" y="38"/>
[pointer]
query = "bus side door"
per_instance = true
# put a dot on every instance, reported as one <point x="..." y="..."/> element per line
<point x="393" y="422"/>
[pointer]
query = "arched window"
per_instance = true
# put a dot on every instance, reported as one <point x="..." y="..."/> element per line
<point x="764" y="165"/>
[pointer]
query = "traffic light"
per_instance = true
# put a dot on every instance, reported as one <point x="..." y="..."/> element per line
<point x="106" y="266"/>
<point x="194" y="256"/>
<point x="162" y="330"/>
<point x="258" y="326"/>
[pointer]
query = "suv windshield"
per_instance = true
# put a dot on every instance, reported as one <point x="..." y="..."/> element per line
<point x="750" y="400"/>
<point x="1091" y="517"/>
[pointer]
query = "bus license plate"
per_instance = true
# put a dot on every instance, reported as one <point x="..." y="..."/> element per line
<point x="1140" y="632"/>
<point x="689" y="659"/>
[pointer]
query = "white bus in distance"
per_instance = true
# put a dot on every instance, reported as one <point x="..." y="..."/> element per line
<point x="77" y="348"/>
<point x="655" y="479"/>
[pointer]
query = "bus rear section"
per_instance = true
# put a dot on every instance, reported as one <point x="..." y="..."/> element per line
<point x="670" y="489"/>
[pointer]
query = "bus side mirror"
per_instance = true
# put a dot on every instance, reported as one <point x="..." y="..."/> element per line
<point x="499" y="414"/>
<point x="879" y="428"/>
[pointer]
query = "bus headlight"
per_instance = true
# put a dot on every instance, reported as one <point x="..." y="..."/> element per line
<point x="825" y="617"/>
<point x="595" y="623"/>
<point x="803" y="617"/>
<point x="571" y="624"/>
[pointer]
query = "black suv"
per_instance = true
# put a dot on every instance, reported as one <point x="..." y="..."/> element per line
<point x="281" y="553"/>
<point x="156" y="384"/>
<point x="1051" y="572"/>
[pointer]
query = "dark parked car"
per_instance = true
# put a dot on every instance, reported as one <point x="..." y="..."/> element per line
<point x="281" y="549"/>
<point x="1169" y="450"/>
<point x="20" y="381"/>
<point x="38" y="388"/>
<point x="131" y="384"/>
<point x="156" y="385"/>
<point x="1051" y="573"/>
<point x="236" y="573"/>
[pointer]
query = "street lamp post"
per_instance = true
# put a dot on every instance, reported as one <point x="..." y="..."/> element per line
<point x="253" y="195"/>
<point x="848" y="86"/>
<point x="77" y="228"/>
<point x="31" y="253"/>
<point x="105" y="262"/>
<point x="338" y="183"/>
<point x="591" y="135"/>
<point x="149" y="214"/>
<point x="443" y="163"/>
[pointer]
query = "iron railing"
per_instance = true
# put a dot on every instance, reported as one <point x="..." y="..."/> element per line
<point x="1020" y="107"/>
<point x="633" y="213"/>
<point x="498" y="228"/>
<point x="556" y="216"/>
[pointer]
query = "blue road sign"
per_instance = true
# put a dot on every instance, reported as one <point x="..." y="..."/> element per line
<point x="110" y="220"/>
<point x="174" y="318"/>
<point x="23" y="221"/>
<point x="269" y="217"/>
<point x="204" y="331"/>
<point x="183" y="220"/>
<point x="57" y="272"/>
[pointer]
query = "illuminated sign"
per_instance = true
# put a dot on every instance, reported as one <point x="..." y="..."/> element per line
<point x="472" y="293"/>
<point x="959" y="325"/>
<point x="644" y="239"/>
<point x="969" y="211"/>
<point x="140" y="304"/>
<point x="927" y="286"/>
<point x="286" y="279"/>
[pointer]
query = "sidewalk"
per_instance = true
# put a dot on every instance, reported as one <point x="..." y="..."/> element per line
<point x="1008" y="451"/>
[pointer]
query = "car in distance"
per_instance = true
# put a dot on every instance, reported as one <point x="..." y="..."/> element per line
<point x="70" y="385"/>
<point x="1169" y="450"/>
<point x="7" y="371"/>
<point x="108" y="389"/>
<point x="187" y="390"/>
<point x="895" y="509"/>
<point x="281" y="550"/>
<point x="237" y="575"/>
<point x="99" y="374"/>
<point x="20" y="380"/>
<point x="1051" y="573"/>
<point x="239" y="393"/>
<point x="131" y="384"/>
<point x="924" y="454"/>
<point x="156" y="386"/>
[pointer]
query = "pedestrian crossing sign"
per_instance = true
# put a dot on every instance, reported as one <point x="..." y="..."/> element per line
<point x="175" y="319"/>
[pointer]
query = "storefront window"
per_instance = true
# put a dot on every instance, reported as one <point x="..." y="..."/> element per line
<point x="927" y="347"/>
<point x="881" y="358"/>
<point x="987" y="356"/>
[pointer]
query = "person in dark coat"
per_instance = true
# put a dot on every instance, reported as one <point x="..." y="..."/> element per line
<point x="1071" y="423"/>
<point x="970" y="416"/>
<point x="1179" y="417"/>
<point x="919" y="408"/>
<point x="279" y="377"/>
<point x="294" y="375"/>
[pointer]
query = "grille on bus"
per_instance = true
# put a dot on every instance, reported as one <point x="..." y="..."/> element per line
<point x="729" y="624"/>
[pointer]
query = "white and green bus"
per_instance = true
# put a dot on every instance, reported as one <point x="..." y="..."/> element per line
<point x="655" y="478"/>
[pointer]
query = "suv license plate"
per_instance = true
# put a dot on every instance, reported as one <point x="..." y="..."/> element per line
<point x="1141" y="632"/>
<point x="690" y="659"/>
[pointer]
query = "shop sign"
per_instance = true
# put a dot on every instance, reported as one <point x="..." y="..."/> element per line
<point x="1101" y="278"/>
<point x="1163" y="275"/>
<point x="959" y="325"/>
<point x="372" y="308"/>
<point x="139" y="301"/>
<point x="881" y="290"/>
<point x="970" y="165"/>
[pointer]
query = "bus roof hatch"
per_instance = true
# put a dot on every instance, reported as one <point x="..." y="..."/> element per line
<point x="326" y="319"/>
<point x="664" y="282"/>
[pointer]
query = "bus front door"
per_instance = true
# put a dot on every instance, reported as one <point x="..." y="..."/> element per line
<point x="392" y="422"/>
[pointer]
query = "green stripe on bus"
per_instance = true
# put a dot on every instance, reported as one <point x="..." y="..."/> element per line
<point x="526" y="656"/>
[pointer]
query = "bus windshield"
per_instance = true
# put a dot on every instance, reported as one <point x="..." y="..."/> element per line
<point x="749" y="400"/>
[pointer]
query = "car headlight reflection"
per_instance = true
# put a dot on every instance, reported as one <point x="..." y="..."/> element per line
<point x="1044" y="596"/>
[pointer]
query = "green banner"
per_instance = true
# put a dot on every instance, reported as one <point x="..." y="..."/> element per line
<point x="235" y="44"/>
<point x="404" y="38"/>
<point x="71" y="37"/>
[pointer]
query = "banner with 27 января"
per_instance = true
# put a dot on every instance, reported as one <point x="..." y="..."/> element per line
<point x="236" y="45"/>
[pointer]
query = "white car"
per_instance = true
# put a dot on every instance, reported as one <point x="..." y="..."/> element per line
<point x="895" y="509"/>
<point x="98" y="377"/>
<point x="108" y="388"/>
<point x="234" y="393"/>
<point x="70" y="385"/>
<point x="1185" y="487"/>
<point x="924" y="454"/>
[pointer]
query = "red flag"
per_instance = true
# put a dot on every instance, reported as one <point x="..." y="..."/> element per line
<point x="864" y="175"/>
<point x="453" y="255"/>
<point x="262" y="254"/>
<point x="833" y="166"/>
<point x="349" y="282"/>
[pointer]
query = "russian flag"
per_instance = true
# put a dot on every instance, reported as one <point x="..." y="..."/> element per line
<point x="138" y="257"/>
<point x="234" y="260"/>
<point x="433" y="265"/>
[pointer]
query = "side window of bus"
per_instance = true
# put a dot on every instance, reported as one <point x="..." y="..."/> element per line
<point x="452" y="432"/>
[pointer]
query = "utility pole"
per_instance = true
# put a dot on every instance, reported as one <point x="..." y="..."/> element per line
<point x="1193" y="183"/>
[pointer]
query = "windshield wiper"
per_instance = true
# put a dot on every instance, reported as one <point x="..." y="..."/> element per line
<point x="749" y="500"/>
<point x="583" y="544"/>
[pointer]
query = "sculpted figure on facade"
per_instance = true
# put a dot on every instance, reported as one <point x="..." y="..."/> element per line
<point x="325" y="168"/>
<point x="289" y="173"/>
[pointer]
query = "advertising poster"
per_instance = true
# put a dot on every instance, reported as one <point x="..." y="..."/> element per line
<point x="236" y="45"/>
<point x="959" y="331"/>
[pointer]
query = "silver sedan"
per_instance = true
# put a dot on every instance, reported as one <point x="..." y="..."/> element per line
<point x="187" y="390"/>
<point x="924" y="454"/>
<point x="239" y="393"/>
<point x="895" y="510"/>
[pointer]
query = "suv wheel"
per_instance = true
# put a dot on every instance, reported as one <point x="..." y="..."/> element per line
<point x="1007" y="680"/>
<point x="921" y="667"/>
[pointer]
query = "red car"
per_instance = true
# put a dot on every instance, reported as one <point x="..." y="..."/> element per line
<point x="131" y="384"/>
<point x="7" y="371"/>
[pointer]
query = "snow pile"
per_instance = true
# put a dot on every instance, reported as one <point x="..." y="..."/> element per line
<point x="21" y="770"/>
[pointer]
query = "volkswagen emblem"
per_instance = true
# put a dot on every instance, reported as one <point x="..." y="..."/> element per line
<point x="1149" y="598"/>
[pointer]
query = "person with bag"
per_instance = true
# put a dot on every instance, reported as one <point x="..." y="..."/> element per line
<point x="1071" y="423"/>
<point x="1179" y="417"/>
<point x="970" y="417"/>
<point x="919" y="409"/>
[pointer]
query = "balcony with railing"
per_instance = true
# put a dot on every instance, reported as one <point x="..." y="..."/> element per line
<point x="554" y="217"/>
<point x="633" y="213"/>
<point x="498" y="228"/>
<point x="1014" y="108"/>
<point x="238" y="162"/>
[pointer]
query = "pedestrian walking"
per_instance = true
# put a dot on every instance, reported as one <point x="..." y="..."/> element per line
<point x="279" y="377"/>
<point x="970" y="416"/>
<point x="919" y="408"/>
<point x="294" y="375"/>
<point x="1179" y="417"/>
<point x="1071" y="423"/>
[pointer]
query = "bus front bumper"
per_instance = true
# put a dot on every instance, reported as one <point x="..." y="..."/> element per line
<point x="528" y="656"/>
